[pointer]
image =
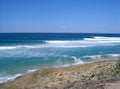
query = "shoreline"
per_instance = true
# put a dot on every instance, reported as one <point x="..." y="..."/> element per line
<point x="14" y="77"/>
<point x="59" y="76"/>
<point x="77" y="61"/>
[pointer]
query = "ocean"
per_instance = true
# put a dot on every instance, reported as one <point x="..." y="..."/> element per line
<point x="22" y="53"/>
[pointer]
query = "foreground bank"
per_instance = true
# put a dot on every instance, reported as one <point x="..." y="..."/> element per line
<point x="74" y="77"/>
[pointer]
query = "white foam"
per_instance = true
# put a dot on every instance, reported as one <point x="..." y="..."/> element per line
<point x="114" y="55"/>
<point x="7" y="47"/>
<point x="104" y="39"/>
<point x="57" y="41"/>
<point x="5" y="77"/>
<point x="9" y="78"/>
<point x="86" y="42"/>
<point x="93" y="56"/>
<point x="77" y="60"/>
<point x="42" y="46"/>
<point x="100" y="56"/>
<point x="32" y="70"/>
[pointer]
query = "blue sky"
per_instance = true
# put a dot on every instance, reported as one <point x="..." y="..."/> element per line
<point x="91" y="16"/>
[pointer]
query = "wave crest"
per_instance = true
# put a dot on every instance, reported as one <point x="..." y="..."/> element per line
<point x="86" y="42"/>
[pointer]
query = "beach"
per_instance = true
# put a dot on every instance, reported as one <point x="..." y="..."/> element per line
<point x="22" y="53"/>
<point x="82" y="76"/>
<point x="56" y="60"/>
<point x="59" y="44"/>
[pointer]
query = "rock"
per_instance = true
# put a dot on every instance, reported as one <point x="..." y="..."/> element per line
<point x="94" y="78"/>
<point x="60" y="74"/>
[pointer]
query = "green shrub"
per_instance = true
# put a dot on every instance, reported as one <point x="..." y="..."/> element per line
<point x="117" y="69"/>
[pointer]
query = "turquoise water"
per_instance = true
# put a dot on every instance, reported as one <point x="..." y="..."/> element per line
<point x="21" y="53"/>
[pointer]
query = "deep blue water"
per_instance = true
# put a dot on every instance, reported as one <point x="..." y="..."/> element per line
<point x="23" y="52"/>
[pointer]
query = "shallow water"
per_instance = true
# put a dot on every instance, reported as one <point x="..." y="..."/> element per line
<point x="26" y="52"/>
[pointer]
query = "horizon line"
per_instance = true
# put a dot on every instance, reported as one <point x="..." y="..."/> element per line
<point x="60" y="32"/>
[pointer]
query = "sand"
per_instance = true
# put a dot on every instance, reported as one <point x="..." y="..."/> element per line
<point x="84" y="76"/>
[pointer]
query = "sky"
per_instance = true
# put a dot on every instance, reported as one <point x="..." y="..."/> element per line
<point x="59" y="16"/>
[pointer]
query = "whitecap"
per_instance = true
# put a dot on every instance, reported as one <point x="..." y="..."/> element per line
<point x="86" y="42"/>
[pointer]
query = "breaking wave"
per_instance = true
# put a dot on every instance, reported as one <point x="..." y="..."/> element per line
<point x="102" y="56"/>
<point x="5" y="77"/>
<point x="86" y="42"/>
<point x="9" y="77"/>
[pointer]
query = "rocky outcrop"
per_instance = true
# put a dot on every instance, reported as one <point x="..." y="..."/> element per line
<point x="72" y="77"/>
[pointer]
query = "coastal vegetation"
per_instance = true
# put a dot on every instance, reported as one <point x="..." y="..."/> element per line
<point x="116" y="72"/>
